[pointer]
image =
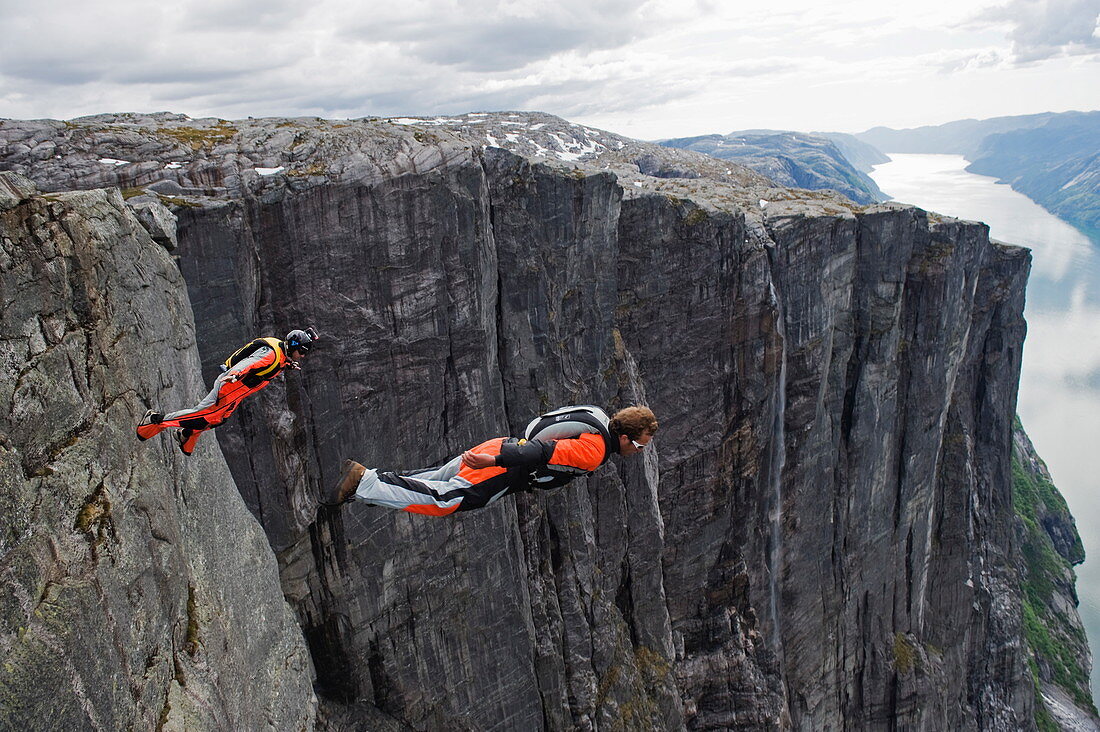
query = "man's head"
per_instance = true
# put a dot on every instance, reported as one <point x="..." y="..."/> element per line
<point x="634" y="427"/>
<point x="298" y="343"/>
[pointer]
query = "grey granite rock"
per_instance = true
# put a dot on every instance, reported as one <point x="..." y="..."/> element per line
<point x="137" y="591"/>
<point x="14" y="189"/>
<point x="158" y="221"/>
<point x="1055" y="637"/>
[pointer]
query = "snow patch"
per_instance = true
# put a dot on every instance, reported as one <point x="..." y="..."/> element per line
<point x="539" y="126"/>
<point x="514" y="124"/>
<point x="492" y="140"/>
<point x="572" y="150"/>
<point x="269" y="171"/>
<point x="173" y="166"/>
<point x="114" y="162"/>
<point x="763" y="203"/>
<point x="542" y="151"/>
<point x="1080" y="178"/>
<point x="416" y="121"/>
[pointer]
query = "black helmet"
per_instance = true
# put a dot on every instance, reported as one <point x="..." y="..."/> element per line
<point x="301" y="340"/>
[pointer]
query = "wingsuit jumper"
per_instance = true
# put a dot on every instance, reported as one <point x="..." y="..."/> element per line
<point x="557" y="447"/>
<point x="250" y="368"/>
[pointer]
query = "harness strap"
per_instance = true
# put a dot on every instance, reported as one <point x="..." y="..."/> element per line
<point x="267" y="372"/>
<point x="570" y="422"/>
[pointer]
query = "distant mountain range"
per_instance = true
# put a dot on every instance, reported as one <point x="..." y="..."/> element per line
<point x="1054" y="159"/>
<point x="962" y="137"/>
<point x="860" y="154"/>
<point x="797" y="159"/>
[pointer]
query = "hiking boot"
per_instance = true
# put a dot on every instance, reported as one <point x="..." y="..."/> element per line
<point x="147" y="427"/>
<point x="349" y="481"/>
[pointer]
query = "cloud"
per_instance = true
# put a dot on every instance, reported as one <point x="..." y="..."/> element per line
<point x="243" y="15"/>
<point x="413" y="57"/>
<point x="498" y="35"/>
<point x="134" y="45"/>
<point x="988" y="58"/>
<point x="593" y="58"/>
<point x="1044" y="29"/>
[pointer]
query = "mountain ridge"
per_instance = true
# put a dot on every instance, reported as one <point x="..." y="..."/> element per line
<point x="793" y="159"/>
<point x="1051" y="158"/>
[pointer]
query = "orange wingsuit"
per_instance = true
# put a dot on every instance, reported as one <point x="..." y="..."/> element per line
<point x="458" y="487"/>
<point x="266" y="360"/>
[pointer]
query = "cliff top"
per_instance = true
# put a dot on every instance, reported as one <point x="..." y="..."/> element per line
<point x="177" y="155"/>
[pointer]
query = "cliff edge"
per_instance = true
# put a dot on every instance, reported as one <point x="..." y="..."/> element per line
<point x="137" y="590"/>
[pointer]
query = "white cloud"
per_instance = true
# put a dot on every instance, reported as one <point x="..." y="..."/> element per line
<point x="791" y="64"/>
<point x="972" y="60"/>
<point x="1043" y="29"/>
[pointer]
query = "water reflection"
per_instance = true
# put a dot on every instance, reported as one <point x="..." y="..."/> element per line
<point x="1060" y="385"/>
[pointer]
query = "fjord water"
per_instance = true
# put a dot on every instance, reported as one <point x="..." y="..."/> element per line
<point x="1059" y="402"/>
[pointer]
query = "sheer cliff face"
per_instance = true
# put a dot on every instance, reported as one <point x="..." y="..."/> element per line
<point x="823" y="537"/>
<point x="830" y="538"/>
<point x="137" y="591"/>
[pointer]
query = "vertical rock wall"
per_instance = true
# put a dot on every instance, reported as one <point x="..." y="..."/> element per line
<point x="829" y="542"/>
<point x="902" y="336"/>
<point x="137" y="590"/>
<point x="823" y="537"/>
<point x="447" y="320"/>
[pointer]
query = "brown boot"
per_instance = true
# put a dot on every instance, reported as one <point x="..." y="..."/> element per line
<point x="349" y="481"/>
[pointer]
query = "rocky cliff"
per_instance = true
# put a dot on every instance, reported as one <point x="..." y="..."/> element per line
<point x="793" y="159"/>
<point x="137" y="591"/>
<point x="824" y="536"/>
<point x="1060" y="657"/>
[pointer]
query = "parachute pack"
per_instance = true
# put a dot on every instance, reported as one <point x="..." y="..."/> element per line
<point x="572" y="421"/>
<point x="251" y="347"/>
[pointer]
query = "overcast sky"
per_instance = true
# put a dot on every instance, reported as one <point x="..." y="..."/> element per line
<point x="664" y="68"/>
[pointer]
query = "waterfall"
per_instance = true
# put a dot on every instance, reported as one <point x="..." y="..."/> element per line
<point x="778" y="459"/>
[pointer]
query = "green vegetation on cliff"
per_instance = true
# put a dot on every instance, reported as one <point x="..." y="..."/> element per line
<point x="1050" y="546"/>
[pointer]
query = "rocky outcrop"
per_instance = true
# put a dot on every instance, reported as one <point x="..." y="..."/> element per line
<point x="137" y="590"/>
<point x="1060" y="659"/>
<point x="824" y="535"/>
<point x="794" y="159"/>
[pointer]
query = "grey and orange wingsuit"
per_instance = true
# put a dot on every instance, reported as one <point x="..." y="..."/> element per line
<point x="557" y="447"/>
<point x="249" y="369"/>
